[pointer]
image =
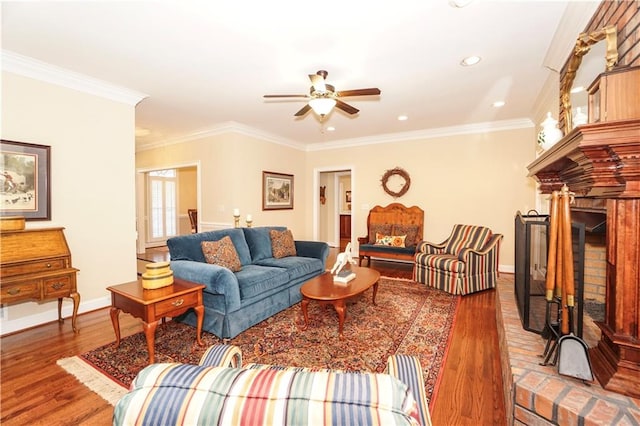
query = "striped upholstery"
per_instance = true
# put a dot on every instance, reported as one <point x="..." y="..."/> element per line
<point x="464" y="263"/>
<point x="174" y="394"/>
<point x="222" y="356"/>
<point x="407" y="368"/>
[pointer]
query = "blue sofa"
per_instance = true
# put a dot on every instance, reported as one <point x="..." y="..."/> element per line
<point x="235" y="301"/>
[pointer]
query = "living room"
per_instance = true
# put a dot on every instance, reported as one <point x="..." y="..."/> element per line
<point x="459" y="174"/>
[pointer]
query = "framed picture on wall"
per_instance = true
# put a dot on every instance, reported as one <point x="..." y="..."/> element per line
<point x="347" y="196"/>
<point x="25" y="180"/>
<point x="277" y="191"/>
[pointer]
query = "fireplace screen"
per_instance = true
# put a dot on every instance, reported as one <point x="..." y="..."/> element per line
<point x="531" y="266"/>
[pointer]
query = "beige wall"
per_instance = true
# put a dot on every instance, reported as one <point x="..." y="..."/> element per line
<point x="476" y="179"/>
<point x="92" y="184"/>
<point x="231" y="176"/>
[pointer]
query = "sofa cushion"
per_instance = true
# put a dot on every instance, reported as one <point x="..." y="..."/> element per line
<point x="222" y="253"/>
<point x="384" y="229"/>
<point x="442" y="262"/>
<point x="190" y="394"/>
<point x="390" y="240"/>
<point x="254" y="280"/>
<point x="282" y="243"/>
<point x="296" y="266"/>
<point x="411" y="231"/>
<point x="259" y="241"/>
<point x="187" y="247"/>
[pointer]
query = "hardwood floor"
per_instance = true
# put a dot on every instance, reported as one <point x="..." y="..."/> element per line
<point x="37" y="391"/>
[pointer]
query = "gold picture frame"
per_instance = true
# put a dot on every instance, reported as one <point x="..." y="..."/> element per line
<point x="277" y="191"/>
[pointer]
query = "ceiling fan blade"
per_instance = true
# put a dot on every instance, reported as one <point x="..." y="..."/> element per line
<point x="346" y="107"/>
<point x="317" y="81"/>
<point x="359" y="92"/>
<point x="305" y="109"/>
<point x="285" y="96"/>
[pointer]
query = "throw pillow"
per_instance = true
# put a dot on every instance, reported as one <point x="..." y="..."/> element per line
<point x="282" y="243"/>
<point x="384" y="229"/>
<point x="222" y="253"/>
<point x="390" y="240"/>
<point x="411" y="231"/>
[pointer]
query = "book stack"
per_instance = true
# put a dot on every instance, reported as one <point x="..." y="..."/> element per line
<point x="344" y="276"/>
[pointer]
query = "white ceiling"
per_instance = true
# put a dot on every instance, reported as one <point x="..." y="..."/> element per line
<point x="206" y="64"/>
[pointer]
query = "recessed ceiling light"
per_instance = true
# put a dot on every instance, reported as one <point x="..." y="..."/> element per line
<point x="498" y="104"/>
<point x="330" y="129"/>
<point x="403" y="118"/>
<point x="470" y="60"/>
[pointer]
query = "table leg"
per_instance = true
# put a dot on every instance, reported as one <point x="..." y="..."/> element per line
<point x="200" y="314"/>
<point x="150" y="333"/>
<point x="115" y="312"/>
<point x="341" y="309"/>
<point x="60" y="320"/>
<point x="76" y="302"/>
<point x="375" y="291"/>
<point x="304" y="304"/>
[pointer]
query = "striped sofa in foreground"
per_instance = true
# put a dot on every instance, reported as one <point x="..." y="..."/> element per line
<point x="219" y="391"/>
<point x="464" y="263"/>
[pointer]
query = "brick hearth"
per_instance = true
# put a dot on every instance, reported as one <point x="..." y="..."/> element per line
<point x="538" y="395"/>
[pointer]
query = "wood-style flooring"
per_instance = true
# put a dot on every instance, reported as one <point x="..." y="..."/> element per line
<point x="36" y="391"/>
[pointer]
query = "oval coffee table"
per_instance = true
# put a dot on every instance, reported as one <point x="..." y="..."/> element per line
<point x="323" y="290"/>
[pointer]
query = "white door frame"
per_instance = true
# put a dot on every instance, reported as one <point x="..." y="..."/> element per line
<point x="141" y="209"/>
<point x="316" y="199"/>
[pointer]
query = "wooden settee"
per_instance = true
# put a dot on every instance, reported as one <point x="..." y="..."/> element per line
<point x="392" y="220"/>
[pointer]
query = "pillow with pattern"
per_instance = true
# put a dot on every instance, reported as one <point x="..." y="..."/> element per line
<point x="222" y="253"/>
<point x="384" y="229"/>
<point x="411" y="231"/>
<point x="282" y="243"/>
<point x="390" y="240"/>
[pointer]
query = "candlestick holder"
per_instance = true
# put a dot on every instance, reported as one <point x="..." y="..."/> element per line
<point x="249" y="223"/>
<point x="236" y="221"/>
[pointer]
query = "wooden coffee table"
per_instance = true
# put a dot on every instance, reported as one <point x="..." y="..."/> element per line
<point x="154" y="305"/>
<point x="323" y="290"/>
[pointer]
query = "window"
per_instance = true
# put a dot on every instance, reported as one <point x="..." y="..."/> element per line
<point x="163" y="216"/>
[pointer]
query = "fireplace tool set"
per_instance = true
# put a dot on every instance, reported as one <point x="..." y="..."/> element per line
<point x="569" y="351"/>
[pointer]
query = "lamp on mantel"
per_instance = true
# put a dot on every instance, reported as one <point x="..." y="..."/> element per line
<point x="322" y="106"/>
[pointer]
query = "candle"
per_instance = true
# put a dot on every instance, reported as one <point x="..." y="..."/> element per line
<point x="249" y="218"/>
<point x="236" y="212"/>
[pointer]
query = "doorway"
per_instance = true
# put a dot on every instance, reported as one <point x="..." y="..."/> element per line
<point x="163" y="198"/>
<point x="334" y="218"/>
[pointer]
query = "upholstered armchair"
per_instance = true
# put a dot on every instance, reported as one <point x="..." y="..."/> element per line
<point x="464" y="263"/>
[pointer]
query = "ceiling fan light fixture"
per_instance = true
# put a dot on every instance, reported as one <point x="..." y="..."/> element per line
<point x="322" y="106"/>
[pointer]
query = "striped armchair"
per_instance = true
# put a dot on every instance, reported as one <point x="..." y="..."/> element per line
<point x="464" y="263"/>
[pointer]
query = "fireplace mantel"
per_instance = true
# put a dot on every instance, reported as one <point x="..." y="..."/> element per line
<point x="602" y="160"/>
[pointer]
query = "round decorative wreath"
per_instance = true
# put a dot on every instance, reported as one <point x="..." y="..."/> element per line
<point x="400" y="172"/>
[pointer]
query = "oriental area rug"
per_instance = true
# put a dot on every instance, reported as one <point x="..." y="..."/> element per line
<point x="408" y="318"/>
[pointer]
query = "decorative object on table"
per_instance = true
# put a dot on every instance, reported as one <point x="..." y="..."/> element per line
<point x="158" y="275"/>
<point x="24" y="180"/>
<point x="11" y="223"/>
<point x="236" y="218"/>
<point x="277" y="191"/>
<point x="323" y="198"/>
<point x="341" y="270"/>
<point x="396" y="182"/>
<point x="249" y="221"/>
<point x="580" y="118"/>
<point x="550" y="134"/>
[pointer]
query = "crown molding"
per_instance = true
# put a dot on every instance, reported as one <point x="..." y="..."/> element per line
<point x="32" y="68"/>
<point x="492" y="126"/>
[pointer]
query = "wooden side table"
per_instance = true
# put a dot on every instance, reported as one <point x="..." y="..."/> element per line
<point x="153" y="305"/>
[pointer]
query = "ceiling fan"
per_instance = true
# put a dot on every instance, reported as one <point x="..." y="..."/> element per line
<point x="323" y="97"/>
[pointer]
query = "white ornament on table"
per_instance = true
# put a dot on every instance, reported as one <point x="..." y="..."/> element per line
<point x="550" y="134"/>
<point x="342" y="260"/>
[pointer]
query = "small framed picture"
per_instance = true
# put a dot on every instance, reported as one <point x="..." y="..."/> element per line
<point x="277" y="191"/>
<point x="348" y="196"/>
<point x="25" y="186"/>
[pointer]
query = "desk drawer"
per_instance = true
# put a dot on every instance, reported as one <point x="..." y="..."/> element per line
<point x="34" y="267"/>
<point x="57" y="286"/>
<point x="22" y="291"/>
<point x="176" y="303"/>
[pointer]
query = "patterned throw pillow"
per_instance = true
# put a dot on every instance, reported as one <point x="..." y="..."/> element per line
<point x="384" y="229"/>
<point x="390" y="240"/>
<point x="222" y="253"/>
<point x="282" y="243"/>
<point x="411" y="231"/>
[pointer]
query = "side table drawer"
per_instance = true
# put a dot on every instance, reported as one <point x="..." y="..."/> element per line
<point x="57" y="286"/>
<point x="175" y="303"/>
<point x="23" y="291"/>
